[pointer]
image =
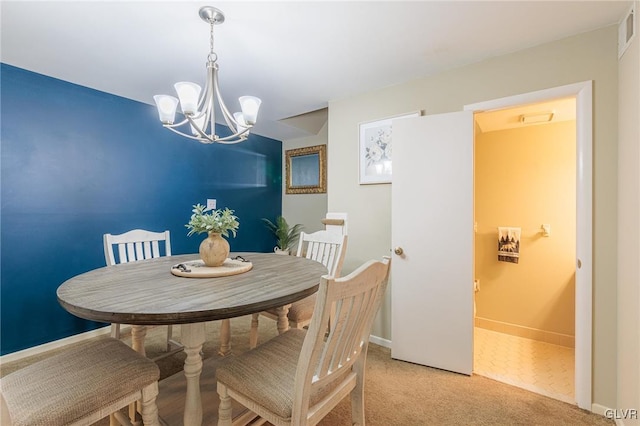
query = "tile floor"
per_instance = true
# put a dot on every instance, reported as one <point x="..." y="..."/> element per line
<point x="536" y="366"/>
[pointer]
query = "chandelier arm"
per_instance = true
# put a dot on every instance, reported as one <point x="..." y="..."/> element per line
<point x="206" y="115"/>
<point x="228" y="140"/>
<point x="203" y="99"/>
<point x="241" y="135"/>
<point x="199" y="139"/>
<point x="207" y="87"/>
<point x="203" y="135"/>
<point x="223" y="142"/>
<point x="176" y="124"/>
<point x="228" y="118"/>
<point x="212" y="69"/>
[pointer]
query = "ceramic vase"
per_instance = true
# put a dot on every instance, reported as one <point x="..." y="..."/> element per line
<point x="214" y="250"/>
<point x="278" y="250"/>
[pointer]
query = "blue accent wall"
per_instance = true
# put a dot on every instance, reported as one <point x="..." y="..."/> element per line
<point x="77" y="163"/>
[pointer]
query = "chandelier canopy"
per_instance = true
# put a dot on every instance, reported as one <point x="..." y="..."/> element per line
<point x="199" y="111"/>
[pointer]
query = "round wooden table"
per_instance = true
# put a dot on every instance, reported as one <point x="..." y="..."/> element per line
<point x="147" y="293"/>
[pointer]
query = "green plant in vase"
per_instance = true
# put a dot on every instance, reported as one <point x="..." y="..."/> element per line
<point x="286" y="236"/>
<point x="214" y="249"/>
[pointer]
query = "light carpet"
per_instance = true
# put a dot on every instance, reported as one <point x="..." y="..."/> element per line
<point x="396" y="392"/>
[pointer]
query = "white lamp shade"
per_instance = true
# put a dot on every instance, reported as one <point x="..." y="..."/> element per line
<point x="242" y="125"/>
<point x="166" y="108"/>
<point x="199" y="120"/>
<point x="188" y="93"/>
<point x="250" y="106"/>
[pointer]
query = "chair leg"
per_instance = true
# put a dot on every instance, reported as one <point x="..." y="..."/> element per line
<point x="357" y="394"/>
<point x="115" y="331"/>
<point x="169" y="337"/>
<point x="224" y="409"/>
<point x="253" y="334"/>
<point x="149" y="408"/>
<point x="225" y="337"/>
<point x="283" y="319"/>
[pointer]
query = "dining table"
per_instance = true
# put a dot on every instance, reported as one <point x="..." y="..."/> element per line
<point x="147" y="292"/>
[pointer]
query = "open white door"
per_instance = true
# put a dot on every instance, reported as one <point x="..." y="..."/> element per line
<point x="432" y="225"/>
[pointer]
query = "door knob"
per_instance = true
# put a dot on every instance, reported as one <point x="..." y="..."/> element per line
<point x="398" y="251"/>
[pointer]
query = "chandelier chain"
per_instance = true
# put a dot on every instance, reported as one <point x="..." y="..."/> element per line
<point x="212" y="54"/>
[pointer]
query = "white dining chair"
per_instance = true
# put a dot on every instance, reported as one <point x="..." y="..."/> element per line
<point x="326" y="247"/>
<point x="81" y="385"/>
<point x="139" y="244"/>
<point x="299" y="376"/>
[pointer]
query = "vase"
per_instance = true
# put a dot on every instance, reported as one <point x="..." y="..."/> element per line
<point x="214" y="249"/>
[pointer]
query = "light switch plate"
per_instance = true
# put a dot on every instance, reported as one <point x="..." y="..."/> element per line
<point x="211" y="203"/>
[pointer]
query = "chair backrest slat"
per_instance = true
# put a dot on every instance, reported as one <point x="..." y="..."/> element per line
<point x="325" y="247"/>
<point x="136" y="251"/>
<point x="137" y="244"/>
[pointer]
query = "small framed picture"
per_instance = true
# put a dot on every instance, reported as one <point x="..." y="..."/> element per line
<point x="306" y="170"/>
<point x="376" y="149"/>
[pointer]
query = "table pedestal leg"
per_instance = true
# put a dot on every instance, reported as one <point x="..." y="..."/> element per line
<point x="225" y="337"/>
<point x="283" y="320"/>
<point x="138" y="334"/>
<point x="192" y="337"/>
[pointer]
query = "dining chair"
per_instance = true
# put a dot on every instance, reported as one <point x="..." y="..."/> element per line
<point x="326" y="247"/>
<point x="299" y="376"/>
<point x="139" y="244"/>
<point x="80" y="386"/>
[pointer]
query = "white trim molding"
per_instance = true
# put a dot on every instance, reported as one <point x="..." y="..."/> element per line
<point x="56" y="344"/>
<point x="380" y="341"/>
<point x="583" y="93"/>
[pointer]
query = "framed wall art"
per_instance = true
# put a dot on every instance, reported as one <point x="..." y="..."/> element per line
<point x="306" y="170"/>
<point x="376" y="147"/>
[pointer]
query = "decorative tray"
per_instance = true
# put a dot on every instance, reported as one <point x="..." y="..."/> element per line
<point x="197" y="269"/>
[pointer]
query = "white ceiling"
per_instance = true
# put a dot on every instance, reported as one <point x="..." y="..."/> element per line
<point x="295" y="55"/>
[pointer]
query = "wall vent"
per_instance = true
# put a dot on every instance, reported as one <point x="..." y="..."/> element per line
<point x="627" y="30"/>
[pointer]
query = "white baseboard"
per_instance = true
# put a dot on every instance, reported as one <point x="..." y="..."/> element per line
<point x="526" y="332"/>
<point x="599" y="409"/>
<point x="380" y="341"/>
<point x="36" y="350"/>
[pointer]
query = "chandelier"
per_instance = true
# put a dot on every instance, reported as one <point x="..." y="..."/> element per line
<point x="199" y="111"/>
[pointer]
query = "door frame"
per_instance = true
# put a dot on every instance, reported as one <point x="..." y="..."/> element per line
<point x="583" y="93"/>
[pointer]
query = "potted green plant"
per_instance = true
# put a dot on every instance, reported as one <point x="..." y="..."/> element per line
<point x="214" y="249"/>
<point x="286" y="236"/>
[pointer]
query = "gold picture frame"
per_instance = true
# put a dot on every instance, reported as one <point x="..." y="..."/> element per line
<point x="306" y="170"/>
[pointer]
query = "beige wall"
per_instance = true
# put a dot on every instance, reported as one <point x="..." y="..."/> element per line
<point x="589" y="56"/>
<point x="629" y="228"/>
<point x="525" y="177"/>
<point x="307" y="209"/>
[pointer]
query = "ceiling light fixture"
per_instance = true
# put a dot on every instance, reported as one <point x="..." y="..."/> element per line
<point x="199" y="111"/>
<point x="539" y="117"/>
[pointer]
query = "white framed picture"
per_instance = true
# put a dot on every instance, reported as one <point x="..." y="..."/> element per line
<point x="376" y="148"/>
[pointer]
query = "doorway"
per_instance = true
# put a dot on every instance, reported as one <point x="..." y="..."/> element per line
<point x="435" y="301"/>
<point x="583" y="93"/>
<point x="525" y="178"/>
